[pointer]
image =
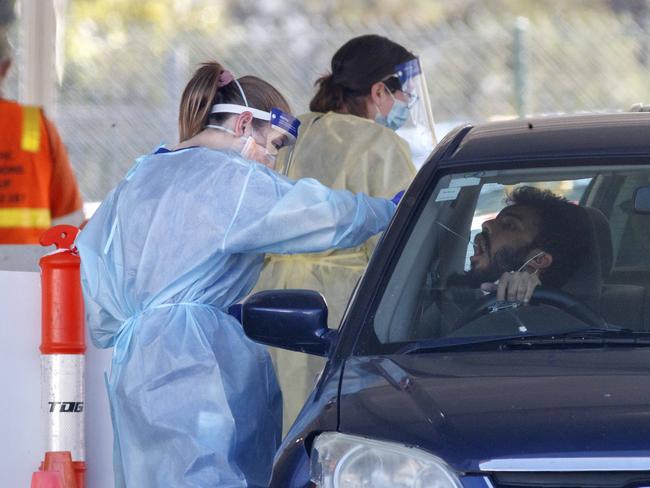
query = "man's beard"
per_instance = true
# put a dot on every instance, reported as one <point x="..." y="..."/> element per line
<point x="504" y="260"/>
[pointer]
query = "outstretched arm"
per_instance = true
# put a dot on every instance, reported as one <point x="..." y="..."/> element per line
<point x="283" y="216"/>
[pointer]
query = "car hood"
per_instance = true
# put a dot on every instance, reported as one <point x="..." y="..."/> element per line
<point x="470" y="408"/>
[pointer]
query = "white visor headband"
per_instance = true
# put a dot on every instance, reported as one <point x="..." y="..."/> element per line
<point x="231" y="108"/>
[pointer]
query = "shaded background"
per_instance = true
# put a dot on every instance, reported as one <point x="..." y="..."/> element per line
<point x="123" y="64"/>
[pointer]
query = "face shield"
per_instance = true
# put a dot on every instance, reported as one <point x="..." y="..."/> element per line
<point x="282" y="131"/>
<point x="419" y="128"/>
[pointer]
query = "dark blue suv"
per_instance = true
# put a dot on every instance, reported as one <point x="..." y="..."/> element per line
<point x="433" y="381"/>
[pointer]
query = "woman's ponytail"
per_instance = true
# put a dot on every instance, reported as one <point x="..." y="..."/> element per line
<point x="197" y="99"/>
<point x="212" y="84"/>
<point x="330" y="96"/>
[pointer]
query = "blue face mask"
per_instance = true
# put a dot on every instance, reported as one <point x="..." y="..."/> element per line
<point x="397" y="116"/>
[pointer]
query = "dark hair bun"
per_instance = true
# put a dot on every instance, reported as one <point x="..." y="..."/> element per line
<point x="329" y="94"/>
<point x="356" y="66"/>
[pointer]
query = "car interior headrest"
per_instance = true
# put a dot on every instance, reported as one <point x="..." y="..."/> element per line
<point x="587" y="282"/>
<point x="603" y="239"/>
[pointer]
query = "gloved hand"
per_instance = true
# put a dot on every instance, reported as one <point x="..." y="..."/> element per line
<point x="398" y="196"/>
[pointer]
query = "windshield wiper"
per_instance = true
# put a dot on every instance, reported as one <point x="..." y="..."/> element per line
<point x="589" y="337"/>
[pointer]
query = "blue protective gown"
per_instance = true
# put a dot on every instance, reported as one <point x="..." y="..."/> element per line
<point x="195" y="402"/>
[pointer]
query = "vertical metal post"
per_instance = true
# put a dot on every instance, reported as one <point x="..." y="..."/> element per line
<point x="38" y="54"/>
<point x="644" y="43"/>
<point x="520" y="65"/>
<point x="178" y="67"/>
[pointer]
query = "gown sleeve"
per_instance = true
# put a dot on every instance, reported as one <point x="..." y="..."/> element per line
<point x="278" y="215"/>
<point x="104" y="315"/>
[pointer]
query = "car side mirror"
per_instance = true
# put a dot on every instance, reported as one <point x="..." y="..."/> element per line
<point x="642" y="200"/>
<point x="290" y="319"/>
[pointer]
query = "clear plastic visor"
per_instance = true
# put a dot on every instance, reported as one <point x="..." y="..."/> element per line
<point x="283" y="127"/>
<point x="419" y="129"/>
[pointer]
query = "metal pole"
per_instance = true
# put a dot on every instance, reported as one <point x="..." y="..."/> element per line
<point x="38" y="53"/>
<point x="520" y="65"/>
<point x="644" y="22"/>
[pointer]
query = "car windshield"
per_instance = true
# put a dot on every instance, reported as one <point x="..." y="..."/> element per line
<point x="577" y="237"/>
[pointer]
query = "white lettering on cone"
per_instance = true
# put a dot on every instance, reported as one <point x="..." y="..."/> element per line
<point x="20" y="375"/>
<point x="62" y="403"/>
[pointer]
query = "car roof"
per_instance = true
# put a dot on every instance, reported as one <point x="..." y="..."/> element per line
<point x="551" y="137"/>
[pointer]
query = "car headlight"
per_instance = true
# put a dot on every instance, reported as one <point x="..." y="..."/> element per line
<point x="345" y="461"/>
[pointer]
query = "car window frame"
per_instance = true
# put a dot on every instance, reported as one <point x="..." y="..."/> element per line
<point x="362" y="307"/>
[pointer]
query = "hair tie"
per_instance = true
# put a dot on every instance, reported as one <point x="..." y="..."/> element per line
<point x="225" y="78"/>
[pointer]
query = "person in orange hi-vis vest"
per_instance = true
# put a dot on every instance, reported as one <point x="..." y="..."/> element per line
<point x="38" y="188"/>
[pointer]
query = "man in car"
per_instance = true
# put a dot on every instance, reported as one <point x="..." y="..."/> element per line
<point x="538" y="238"/>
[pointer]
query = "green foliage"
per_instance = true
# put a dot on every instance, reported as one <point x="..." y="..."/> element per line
<point x="127" y="61"/>
<point x="99" y="41"/>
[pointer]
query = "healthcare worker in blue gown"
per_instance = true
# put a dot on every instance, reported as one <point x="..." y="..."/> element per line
<point x="194" y="402"/>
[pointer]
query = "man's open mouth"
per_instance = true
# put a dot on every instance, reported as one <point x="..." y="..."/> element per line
<point x="480" y="245"/>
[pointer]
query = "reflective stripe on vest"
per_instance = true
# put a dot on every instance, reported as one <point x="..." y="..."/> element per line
<point x="25" y="174"/>
<point x="38" y="218"/>
<point x="31" y="137"/>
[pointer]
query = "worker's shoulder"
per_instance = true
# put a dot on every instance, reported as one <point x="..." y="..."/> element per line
<point x="12" y="106"/>
<point x="198" y="160"/>
<point x="13" y="110"/>
<point x="335" y="119"/>
<point x="349" y="128"/>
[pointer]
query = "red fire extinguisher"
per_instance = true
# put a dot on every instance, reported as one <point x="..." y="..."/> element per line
<point x="63" y="348"/>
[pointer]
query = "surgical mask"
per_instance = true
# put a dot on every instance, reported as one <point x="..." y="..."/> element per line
<point x="281" y="123"/>
<point x="397" y="115"/>
<point x="255" y="152"/>
<point x="251" y="150"/>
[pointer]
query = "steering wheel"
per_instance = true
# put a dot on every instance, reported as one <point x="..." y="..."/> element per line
<point x="541" y="296"/>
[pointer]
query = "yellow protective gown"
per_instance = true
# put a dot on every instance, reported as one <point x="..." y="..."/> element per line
<point x="343" y="152"/>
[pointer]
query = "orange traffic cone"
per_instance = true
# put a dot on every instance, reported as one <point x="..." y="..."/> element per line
<point x="62" y="349"/>
<point x="47" y="479"/>
<point x="61" y="461"/>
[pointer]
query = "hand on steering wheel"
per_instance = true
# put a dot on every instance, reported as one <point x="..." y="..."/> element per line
<point x="540" y="296"/>
<point x="514" y="286"/>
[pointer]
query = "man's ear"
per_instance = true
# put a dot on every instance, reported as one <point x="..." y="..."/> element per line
<point x="243" y="122"/>
<point x="542" y="261"/>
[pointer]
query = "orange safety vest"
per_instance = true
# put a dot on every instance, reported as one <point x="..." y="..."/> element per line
<point x="25" y="174"/>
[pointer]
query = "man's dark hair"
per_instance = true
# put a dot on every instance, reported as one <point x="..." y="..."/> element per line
<point x="563" y="231"/>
